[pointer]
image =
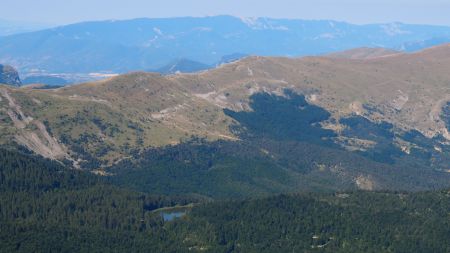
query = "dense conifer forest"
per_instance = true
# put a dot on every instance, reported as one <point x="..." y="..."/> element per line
<point x="45" y="207"/>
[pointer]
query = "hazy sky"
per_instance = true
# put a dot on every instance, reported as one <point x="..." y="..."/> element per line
<point x="354" y="11"/>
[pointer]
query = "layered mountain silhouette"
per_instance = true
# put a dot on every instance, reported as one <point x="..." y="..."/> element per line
<point x="143" y="44"/>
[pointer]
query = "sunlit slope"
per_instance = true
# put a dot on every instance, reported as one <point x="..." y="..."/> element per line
<point x="111" y="119"/>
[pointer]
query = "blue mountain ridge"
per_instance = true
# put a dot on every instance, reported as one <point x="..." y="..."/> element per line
<point x="143" y="44"/>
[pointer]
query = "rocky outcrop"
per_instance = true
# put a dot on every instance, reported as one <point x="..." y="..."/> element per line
<point x="9" y="75"/>
<point x="32" y="133"/>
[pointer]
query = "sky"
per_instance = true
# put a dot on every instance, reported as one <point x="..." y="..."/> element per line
<point x="60" y="12"/>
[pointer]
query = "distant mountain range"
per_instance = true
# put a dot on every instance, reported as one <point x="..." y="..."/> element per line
<point x="183" y="66"/>
<point x="150" y="44"/>
<point x="48" y="80"/>
<point x="8" y="27"/>
<point x="188" y="66"/>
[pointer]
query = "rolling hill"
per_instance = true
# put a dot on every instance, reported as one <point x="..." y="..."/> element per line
<point x="256" y="126"/>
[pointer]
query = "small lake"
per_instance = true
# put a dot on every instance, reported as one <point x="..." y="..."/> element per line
<point x="171" y="215"/>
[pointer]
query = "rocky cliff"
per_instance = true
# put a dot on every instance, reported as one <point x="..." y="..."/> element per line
<point x="9" y="75"/>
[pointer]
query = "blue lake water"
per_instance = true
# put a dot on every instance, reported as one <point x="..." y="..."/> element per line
<point x="169" y="216"/>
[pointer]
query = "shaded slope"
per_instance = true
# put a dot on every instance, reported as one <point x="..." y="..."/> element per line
<point x="282" y="149"/>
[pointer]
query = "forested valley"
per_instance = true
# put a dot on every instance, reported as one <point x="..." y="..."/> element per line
<point x="46" y="207"/>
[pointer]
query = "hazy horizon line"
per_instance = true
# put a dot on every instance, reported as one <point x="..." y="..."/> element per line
<point x="54" y="25"/>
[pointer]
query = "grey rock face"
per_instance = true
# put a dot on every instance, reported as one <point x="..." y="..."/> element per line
<point x="9" y="75"/>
